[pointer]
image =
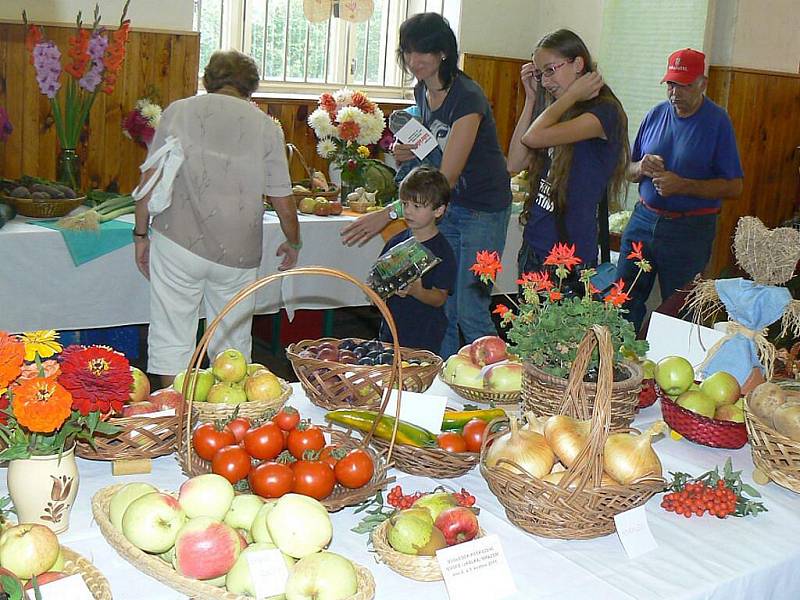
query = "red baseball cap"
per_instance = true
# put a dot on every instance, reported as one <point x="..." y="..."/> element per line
<point x="685" y="66"/>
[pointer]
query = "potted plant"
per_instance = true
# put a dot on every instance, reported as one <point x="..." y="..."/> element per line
<point x="550" y="321"/>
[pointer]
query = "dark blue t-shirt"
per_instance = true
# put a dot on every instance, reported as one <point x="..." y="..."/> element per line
<point x="421" y="325"/>
<point x="593" y="163"/>
<point x="702" y="146"/>
<point x="484" y="184"/>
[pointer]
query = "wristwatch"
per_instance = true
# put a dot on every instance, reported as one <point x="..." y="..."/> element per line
<point x="395" y="210"/>
<point x="393" y="214"/>
<point x="139" y="235"/>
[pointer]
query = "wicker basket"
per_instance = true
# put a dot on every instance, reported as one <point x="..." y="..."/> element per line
<point x="421" y="568"/>
<point x="577" y="507"/>
<point x="429" y="462"/>
<point x="156" y="568"/>
<point x="699" y="429"/>
<point x="212" y="411"/>
<point x="774" y="454"/>
<point x="332" y="385"/>
<point x="484" y="396"/>
<point x="543" y="393"/>
<point x="74" y="563"/>
<point x="647" y="396"/>
<point x="140" y="437"/>
<point x="44" y="209"/>
<point x="331" y="194"/>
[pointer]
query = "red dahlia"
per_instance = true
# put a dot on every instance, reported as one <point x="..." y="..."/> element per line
<point x="98" y="377"/>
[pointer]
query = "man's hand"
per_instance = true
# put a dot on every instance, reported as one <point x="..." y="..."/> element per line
<point x="651" y="165"/>
<point x="289" y="255"/>
<point x="141" y="247"/>
<point x="365" y="228"/>
<point x="668" y="183"/>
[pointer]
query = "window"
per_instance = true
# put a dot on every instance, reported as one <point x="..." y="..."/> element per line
<point x="296" y="56"/>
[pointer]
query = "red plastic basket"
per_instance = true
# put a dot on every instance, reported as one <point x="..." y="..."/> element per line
<point x="700" y="429"/>
<point x="647" y="395"/>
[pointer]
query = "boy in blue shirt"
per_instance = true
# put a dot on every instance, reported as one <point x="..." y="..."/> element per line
<point x="418" y="309"/>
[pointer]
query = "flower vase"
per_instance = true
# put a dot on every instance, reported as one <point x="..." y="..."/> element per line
<point x="351" y="179"/>
<point x="43" y="489"/>
<point x="68" y="168"/>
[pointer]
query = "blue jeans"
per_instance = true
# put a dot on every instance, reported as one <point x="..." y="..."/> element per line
<point x="467" y="308"/>
<point x="677" y="248"/>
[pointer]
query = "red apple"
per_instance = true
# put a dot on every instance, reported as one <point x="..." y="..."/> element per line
<point x="206" y="548"/>
<point x="335" y="207"/>
<point x="141" y="386"/>
<point x="140" y="408"/>
<point x="322" y="208"/>
<point x="45" y="578"/>
<point x="166" y="399"/>
<point x="465" y="351"/>
<point x="331" y="354"/>
<point x="458" y="524"/>
<point x="488" y="350"/>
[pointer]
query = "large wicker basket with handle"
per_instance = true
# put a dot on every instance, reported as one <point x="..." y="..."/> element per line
<point x="139" y="437"/>
<point x="578" y="507"/>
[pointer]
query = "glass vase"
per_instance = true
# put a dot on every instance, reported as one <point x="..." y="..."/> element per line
<point x="68" y="169"/>
<point x="351" y="179"/>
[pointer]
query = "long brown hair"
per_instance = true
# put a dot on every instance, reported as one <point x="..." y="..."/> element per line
<point x="567" y="44"/>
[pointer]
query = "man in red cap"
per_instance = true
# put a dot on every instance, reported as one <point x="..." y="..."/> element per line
<point x="685" y="161"/>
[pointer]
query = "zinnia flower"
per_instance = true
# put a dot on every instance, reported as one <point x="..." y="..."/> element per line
<point x="487" y="266"/>
<point x="41" y="405"/>
<point x="12" y="355"/>
<point x="43" y="342"/>
<point x="51" y="368"/>
<point x="98" y="378"/>
<point x="363" y="151"/>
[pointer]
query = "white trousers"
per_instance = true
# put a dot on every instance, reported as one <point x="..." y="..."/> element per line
<point x="179" y="282"/>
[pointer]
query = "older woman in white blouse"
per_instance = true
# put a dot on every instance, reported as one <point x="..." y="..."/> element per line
<point x="205" y="246"/>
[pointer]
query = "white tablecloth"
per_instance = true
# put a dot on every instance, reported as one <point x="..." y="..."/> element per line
<point x="749" y="558"/>
<point x="42" y="289"/>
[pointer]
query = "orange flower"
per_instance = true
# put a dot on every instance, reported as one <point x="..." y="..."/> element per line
<point x="541" y="281"/>
<point x="487" y="265"/>
<point x="41" y="405"/>
<point x="79" y="53"/>
<point x="363" y="103"/>
<point x="328" y="103"/>
<point x="32" y="37"/>
<point x="115" y="54"/>
<point x="616" y="296"/>
<point x="555" y="295"/>
<point x="12" y="353"/>
<point x="562" y="256"/>
<point x="51" y="369"/>
<point x="637" y="251"/>
<point x="349" y="130"/>
<point x="500" y="309"/>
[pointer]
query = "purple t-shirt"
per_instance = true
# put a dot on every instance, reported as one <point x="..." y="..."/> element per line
<point x="701" y="146"/>
<point x="593" y="163"/>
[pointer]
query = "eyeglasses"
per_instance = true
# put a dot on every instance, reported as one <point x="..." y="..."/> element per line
<point x="548" y="72"/>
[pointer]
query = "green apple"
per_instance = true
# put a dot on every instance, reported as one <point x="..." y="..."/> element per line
<point x="721" y="387"/>
<point x="648" y="368"/>
<point x="243" y="511"/>
<point x="253" y="367"/>
<point x="258" y="528"/>
<point x="229" y="366"/>
<point x="205" y="379"/>
<point x="122" y="499"/>
<point x="730" y="412"/>
<point x="436" y="503"/>
<point x="674" y="375"/>
<point x="238" y="580"/>
<point x="697" y="402"/>
<point x="322" y="576"/>
<point x="411" y="531"/>
<point x="226" y="393"/>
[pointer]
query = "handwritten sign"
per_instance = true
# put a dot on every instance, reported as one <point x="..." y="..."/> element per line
<point x="268" y="571"/>
<point x="634" y="532"/>
<point x="476" y="570"/>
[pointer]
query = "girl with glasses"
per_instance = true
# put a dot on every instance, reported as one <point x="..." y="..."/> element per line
<point x="572" y="136"/>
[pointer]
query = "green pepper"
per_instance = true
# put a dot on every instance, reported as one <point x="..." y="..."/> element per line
<point x="362" y="420"/>
<point x="456" y="419"/>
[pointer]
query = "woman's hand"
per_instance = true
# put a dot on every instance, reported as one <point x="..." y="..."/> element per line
<point x="402" y="152"/>
<point x="141" y="247"/>
<point x="363" y="229"/>
<point x="586" y="87"/>
<point x="528" y="82"/>
<point x="289" y="255"/>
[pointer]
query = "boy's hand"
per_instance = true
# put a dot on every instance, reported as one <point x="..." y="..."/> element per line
<point x="413" y="289"/>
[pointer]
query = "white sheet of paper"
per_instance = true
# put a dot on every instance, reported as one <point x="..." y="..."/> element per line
<point x="669" y="336"/>
<point x="423" y="410"/>
<point x="634" y="532"/>
<point x="268" y="571"/>
<point x="417" y="134"/>
<point x="72" y="587"/>
<point x="476" y="570"/>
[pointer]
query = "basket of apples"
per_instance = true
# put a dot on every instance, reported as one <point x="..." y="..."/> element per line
<point x="482" y="372"/>
<point x="407" y="536"/>
<point x="709" y="413"/>
<point x="354" y="373"/>
<point x="205" y="540"/>
<point x="284" y="454"/>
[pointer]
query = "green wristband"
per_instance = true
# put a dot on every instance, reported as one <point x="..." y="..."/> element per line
<point x="397" y="205"/>
<point x="296" y="246"/>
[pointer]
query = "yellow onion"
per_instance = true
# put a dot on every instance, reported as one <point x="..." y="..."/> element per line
<point x="527" y="449"/>
<point x="567" y="437"/>
<point x="534" y="423"/>
<point x="556" y="476"/>
<point x="630" y="456"/>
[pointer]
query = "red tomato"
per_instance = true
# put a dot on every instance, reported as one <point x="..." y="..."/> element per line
<point x="271" y="480"/>
<point x="331" y="455"/>
<point x="355" y="469"/>
<point x="238" y="427"/>
<point x="287" y="418"/>
<point x="232" y="462"/>
<point x="264" y="442"/>
<point x="207" y="439"/>
<point x="452" y="442"/>
<point x="473" y="434"/>
<point x="305" y="438"/>
<point x="313" y="478"/>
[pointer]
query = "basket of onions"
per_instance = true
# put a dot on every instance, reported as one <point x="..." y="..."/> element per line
<point x="568" y="475"/>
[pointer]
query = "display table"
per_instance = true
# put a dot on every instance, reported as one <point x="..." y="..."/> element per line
<point x="44" y="290"/>
<point x="700" y="558"/>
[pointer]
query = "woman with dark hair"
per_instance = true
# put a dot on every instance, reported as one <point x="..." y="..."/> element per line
<point x="454" y="108"/>
<point x="573" y="137"/>
<point x="221" y="156"/>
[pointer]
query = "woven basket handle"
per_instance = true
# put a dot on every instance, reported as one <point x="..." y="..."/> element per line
<point x="294" y="151"/>
<point x="190" y="381"/>
<point x="588" y="466"/>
